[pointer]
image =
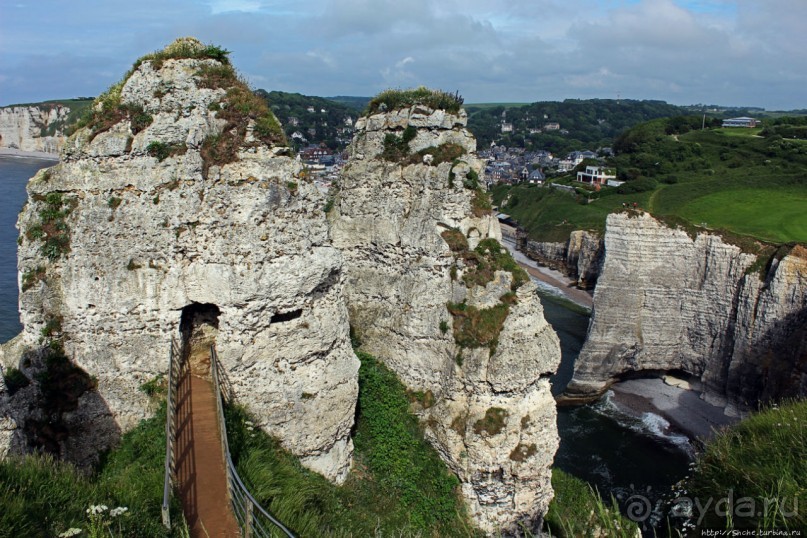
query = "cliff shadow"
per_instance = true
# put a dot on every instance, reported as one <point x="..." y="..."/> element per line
<point x="775" y="367"/>
<point x="58" y="409"/>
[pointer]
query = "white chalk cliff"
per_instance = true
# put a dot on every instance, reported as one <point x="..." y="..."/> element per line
<point x="667" y="301"/>
<point x="489" y="410"/>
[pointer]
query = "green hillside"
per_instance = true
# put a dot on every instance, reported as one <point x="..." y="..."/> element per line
<point x="751" y="182"/>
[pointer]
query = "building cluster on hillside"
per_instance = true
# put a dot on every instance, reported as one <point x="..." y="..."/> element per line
<point x="515" y="165"/>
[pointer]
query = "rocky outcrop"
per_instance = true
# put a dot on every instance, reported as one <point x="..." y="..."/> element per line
<point x="407" y="229"/>
<point x="667" y="301"/>
<point x="579" y="257"/>
<point x="171" y="210"/>
<point x="33" y="128"/>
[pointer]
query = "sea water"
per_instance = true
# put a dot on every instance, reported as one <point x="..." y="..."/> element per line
<point x="14" y="174"/>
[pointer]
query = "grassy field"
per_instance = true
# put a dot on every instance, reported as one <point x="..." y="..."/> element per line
<point x="779" y="216"/>
<point x="724" y="179"/>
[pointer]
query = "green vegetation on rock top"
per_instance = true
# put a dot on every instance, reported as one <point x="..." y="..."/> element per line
<point x="397" y="99"/>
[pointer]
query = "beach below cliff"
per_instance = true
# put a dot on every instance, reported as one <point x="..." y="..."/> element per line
<point x="551" y="278"/>
<point x="673" y="400"/>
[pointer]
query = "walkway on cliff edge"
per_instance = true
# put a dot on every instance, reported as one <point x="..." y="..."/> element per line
<point x="200" y="472"/>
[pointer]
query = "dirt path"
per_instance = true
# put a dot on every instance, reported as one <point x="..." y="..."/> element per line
<point x="200" y="463"/>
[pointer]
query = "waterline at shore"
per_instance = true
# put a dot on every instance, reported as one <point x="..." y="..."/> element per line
<point x="11" y="152"/>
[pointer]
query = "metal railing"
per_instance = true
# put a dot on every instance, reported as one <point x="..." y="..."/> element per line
<point x="252" y="518"/>
<point x="174" y="362"/>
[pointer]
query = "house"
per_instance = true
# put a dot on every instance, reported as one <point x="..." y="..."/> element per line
<point x="596" y="175"/>
<point x="740" y="122"/>
<point x="310" y="109"/>
<point x="507" y="127"/>
<point x="536" y="176"/>
<point x="552" y="126"/>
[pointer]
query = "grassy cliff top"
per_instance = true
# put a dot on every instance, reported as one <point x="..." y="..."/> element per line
<point x="394" y="99"/>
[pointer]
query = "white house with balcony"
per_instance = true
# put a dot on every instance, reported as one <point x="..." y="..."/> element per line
<point x="596" y="175"/>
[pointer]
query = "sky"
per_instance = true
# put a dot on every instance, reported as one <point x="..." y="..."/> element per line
<point x="726" y="52"/>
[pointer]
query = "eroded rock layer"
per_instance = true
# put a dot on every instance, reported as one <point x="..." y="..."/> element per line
<point x="412" y="228"/>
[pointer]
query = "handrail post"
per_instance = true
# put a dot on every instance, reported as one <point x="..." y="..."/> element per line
<point x="248" y="525"/>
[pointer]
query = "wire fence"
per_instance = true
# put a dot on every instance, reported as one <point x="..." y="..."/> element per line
<point x="253" y="519"/>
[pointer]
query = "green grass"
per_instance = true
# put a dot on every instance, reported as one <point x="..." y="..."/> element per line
<point x="42" y="497"/>
<point x="773" y="215"/>
<point x="762" y="457"/>
<point x="398" y="485"/>
<point x="577" y="510"/>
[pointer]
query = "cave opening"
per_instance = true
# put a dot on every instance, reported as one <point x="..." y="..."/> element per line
<point x="199" y="326"/>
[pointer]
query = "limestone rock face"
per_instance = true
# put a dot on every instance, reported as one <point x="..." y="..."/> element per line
<point x="665" y="301"/>
<point x="387" y="220"/>
<point x="26" y="127"/>
<point x="151" y="242"/>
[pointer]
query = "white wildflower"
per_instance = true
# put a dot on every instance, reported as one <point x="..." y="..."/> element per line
<point x="70" y="532"/>
<point x="119" y="511"/>
<point x="96" y="509"/>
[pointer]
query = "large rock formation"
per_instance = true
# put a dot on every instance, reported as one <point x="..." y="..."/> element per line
<point x="179" y="205"/>
<point x="668" y="301"/>
<point x="408" y="218"/>
<point x="33" y="128"/>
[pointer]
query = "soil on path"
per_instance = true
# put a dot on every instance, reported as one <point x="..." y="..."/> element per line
<point x="201" y="478"/>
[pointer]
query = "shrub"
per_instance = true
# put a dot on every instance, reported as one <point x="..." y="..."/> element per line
<point x="397" y="99"/>
<point x="474" y="328"/>
<point x="443" y="326"/>
<point x="456" y="240"/>
<point x="481" y="204"/>
<point x="30" y="278"/>
<point x="114" y="202"/>
<point x="443" y="153"/>
<point x="396" y="148"/>
<point x="15" y="380"/>
<point x="161" y="150"/>
<point x="52" y="227"/>
<point x="493" y="422"/>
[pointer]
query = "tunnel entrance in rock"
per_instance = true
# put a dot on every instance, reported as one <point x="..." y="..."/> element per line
<point x="199" y="326"/>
